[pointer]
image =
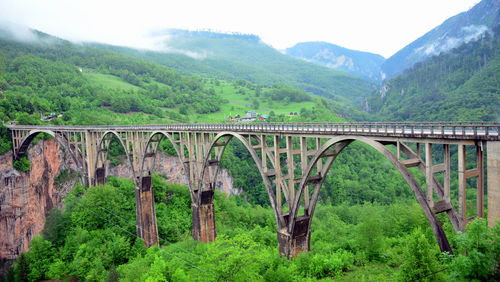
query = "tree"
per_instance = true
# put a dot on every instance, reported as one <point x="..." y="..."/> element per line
<point x="478" y="253"/>
<point x="23" y="164"/>
<point x="255" y="104"/>
<point x="420" y="263"/>
<point x="183" y="109"/>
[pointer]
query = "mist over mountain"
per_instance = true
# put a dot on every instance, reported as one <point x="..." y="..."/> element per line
<point x="458" y="85"/>
<point x="462" y="28"/>
<point x="363" y="64"/>
<point x="234" y="56"/>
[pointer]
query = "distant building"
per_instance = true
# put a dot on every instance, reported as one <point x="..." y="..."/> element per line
<point x="251" y="114"/>
<point x="237" y="116"/>
<point x="263" y="117"/>
<point x="293" y="114"/>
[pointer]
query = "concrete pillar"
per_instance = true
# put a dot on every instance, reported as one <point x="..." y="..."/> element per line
<point x="147" y="215"/>
<point x="299" y="241"/>
<point x="493" y="167"/>
<point x="100" y="176"/>
<point x="203" y="214"/>
<point x="462" y="184"/>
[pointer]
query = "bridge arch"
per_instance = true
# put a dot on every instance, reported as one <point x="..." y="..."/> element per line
<point x="101" y="154"/>
<point x="151" y="150"/>
<point x="61" y="140"/>
<point x="338" y="144"/>
<point x="227" y="136"/>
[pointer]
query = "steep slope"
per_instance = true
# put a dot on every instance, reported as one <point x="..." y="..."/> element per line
<point x="40" y="74"/>
<point x="455" y="31"/>
<point x="363" y="64"/>
<point x="235" y="56"/>
<point x="459" y="85"/>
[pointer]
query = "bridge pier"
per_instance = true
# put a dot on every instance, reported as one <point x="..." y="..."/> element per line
<point x="203" y="215"/>
<point x="493" y="165"/>
<point x="100" y="176"/>
<point x="292" y="244"/>
<point x="147" y="228"/>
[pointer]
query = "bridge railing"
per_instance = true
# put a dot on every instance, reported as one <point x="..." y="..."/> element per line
<point x="417" y="129"/>
<point x="391" y="128"/>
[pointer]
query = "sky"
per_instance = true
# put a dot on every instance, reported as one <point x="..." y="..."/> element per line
<point x="382" y="26"/>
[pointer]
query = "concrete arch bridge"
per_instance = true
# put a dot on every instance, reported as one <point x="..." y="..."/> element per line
<point x="293" y="160"/>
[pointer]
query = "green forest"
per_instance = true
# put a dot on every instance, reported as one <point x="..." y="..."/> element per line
<point x="368" y="225"/>
<point x="461" y="85"/>
<point x="93" y="239"/>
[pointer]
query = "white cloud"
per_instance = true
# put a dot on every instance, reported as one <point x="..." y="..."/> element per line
<point x="382" y="26"/>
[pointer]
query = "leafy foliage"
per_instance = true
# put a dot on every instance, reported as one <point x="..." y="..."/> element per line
<point x="23" y="164"/>
<point x="421" y="260"/>
<point x="460" y="85"/>
<point x="93" y="238"/>
<point x="479" y="251"/>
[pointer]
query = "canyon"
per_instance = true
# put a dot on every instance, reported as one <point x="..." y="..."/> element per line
<point x="27" y="197"/>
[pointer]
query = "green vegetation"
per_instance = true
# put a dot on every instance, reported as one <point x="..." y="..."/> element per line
<point x="91" y="86"/>
<point x="93" y="238"/>
<point x="461" y="85"/>
<point x="367" y="225"/>
<point x="234" y="57"/>
<point x="23" y="164"/>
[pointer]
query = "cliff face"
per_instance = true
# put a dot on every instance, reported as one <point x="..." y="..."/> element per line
<point x="27" y="197"/>
<point x="171" y="167"/>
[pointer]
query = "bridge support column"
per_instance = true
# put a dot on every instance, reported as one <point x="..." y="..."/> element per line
<point x="297" y="242"/>
<point x="493" y="166"/>
<point x="100" y="176"/>
<point x="147" y="228"/>
<point x="203" y="214"/>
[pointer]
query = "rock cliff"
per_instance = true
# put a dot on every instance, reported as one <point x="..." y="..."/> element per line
<point x="171" y="167"/>
<point x="27" y="197"/>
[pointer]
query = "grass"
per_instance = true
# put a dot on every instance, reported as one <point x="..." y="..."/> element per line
<point x="108" y="81"/>
<point x="240" y="100"/>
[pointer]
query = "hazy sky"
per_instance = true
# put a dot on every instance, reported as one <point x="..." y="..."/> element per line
<point x="378" y="26"/>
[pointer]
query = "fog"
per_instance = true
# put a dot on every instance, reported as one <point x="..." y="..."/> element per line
<point x="381" y="27"/>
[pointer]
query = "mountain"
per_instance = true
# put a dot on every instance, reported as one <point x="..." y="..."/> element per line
<point x="240" y="56"/>
<point x="363" y="64"/>
<point x="457" y="30"/>
<point x="41" y="74"/>
<point x="459" y="85"/>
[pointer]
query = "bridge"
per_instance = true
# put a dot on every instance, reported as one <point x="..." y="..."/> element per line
<point x="293" y="160"/>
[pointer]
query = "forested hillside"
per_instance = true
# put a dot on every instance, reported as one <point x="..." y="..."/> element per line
<point x="460" y="29"/>
<point x="91" y="86"/>
<point x="245" y="57"/>
<point x="460" y="85"/>
<point x="368" y="225"/>
<point x="93" y="239"/>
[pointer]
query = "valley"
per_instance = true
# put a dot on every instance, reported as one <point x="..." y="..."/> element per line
<point x="369" y="224"/>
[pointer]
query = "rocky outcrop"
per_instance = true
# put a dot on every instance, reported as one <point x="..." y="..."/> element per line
<point x="27" y="197"/>
<point x="172" y="169"/>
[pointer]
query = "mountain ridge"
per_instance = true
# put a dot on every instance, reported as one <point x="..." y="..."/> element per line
<point x="359" y="63"/>
<point x="453" y="32"/>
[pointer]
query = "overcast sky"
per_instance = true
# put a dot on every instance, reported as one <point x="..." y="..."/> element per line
<point x="378" y="26"/>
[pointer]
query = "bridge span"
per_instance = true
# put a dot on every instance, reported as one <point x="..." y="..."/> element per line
<point x="293" y="160"/>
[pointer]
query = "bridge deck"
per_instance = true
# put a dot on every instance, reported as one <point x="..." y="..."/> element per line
<point x="450" y="130"/>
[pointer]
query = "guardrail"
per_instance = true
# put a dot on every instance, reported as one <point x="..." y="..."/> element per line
<point x="466" y="130"/>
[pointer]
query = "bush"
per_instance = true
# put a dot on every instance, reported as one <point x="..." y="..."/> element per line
<point x="420" y="263"/>
<point x="479" y="249"/>
<point x="23" y="164"/>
